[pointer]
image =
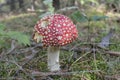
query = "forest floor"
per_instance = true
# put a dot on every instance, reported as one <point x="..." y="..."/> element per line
<point x="82" y="59"/>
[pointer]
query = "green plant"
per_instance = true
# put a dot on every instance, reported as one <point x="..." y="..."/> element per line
<point x="12" y="35"/>
<point x="50" y="9"/>
<point x="82" y="17"/>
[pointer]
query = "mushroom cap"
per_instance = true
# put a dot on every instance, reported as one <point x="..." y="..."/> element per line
<point x="56" y="30"/>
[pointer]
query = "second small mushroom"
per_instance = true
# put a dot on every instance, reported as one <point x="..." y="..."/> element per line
<point x="55" y="31"/>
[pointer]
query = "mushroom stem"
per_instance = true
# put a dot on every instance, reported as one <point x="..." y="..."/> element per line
<point x="53" y="58"/>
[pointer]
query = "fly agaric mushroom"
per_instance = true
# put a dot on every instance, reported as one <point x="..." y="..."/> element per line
<point x="54" y="31"/>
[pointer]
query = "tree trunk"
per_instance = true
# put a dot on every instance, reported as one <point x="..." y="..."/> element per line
<point x="12" y="5"/>
<point x="56" y="4"/>
<point x="21" y="3"/>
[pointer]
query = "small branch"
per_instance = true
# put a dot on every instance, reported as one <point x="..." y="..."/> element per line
<point x="68" y="8"/>
<point x="36" y="73"/>
<point x="12" y="47"/>
<point x="88" y="49"/>
<point x="78" y="59"/>
<point x="78" y="49"/>
<point x="114" y="77"/>
<point x="113" y="53"/>
<point x="35" y="11"/>
<point x="12" y="78"/>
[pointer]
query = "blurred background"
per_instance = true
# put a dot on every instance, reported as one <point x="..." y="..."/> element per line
<point x="95" y="55"/>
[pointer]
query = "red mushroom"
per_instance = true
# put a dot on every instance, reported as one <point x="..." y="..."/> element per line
<point x="56" y="30"/>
